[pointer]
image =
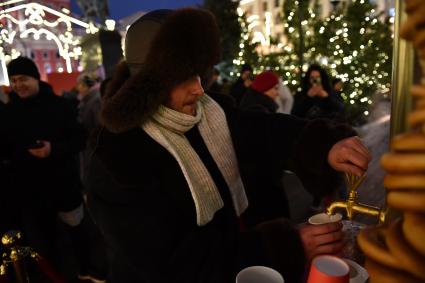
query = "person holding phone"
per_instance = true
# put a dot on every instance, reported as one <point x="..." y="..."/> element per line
<point x="40" y="144"/>
<point x="316" y="98"/>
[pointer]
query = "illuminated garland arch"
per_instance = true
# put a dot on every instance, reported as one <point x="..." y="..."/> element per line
<point x="38" y="21"/>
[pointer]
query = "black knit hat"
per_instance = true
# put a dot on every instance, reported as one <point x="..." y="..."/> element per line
<point x="23" y="66"/>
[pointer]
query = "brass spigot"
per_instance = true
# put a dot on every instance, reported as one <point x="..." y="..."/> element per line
<point x="352" y="206"/>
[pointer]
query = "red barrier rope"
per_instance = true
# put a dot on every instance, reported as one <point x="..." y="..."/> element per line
<point x="47" y="269"/>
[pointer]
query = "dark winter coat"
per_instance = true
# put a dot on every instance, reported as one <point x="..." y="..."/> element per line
<point x="88" y="116"/>
<point x="142" y="203"/>
<point x="331" y="107"/>
<point x="238" y="90"/>
<point x="256" y="101"/>
<point x="139" y="196"/>
<point x="52" y="181"/>
<point x="265" y="186"/>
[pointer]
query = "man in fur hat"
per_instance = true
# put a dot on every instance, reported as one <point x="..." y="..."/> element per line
<point x="167" y="178"/>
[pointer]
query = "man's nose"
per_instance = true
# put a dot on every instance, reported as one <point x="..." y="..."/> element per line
<point x="198" y="89"/>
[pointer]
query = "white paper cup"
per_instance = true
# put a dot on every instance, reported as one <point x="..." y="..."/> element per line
<point x="323" y="218"/>
<point x="259" y="274"/>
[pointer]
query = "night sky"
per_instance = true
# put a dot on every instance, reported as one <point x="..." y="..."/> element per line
<point x="122" y="8"/>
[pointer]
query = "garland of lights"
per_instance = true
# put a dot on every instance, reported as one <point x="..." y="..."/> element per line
<point x="343" y="45"/>
<point x="351" y="54"/>
<point x="35" y="17"/>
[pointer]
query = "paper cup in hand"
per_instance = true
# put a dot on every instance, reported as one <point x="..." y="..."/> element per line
<point x="323" y="218"/>
<point x="259" y="274"/>
<point x="328" y="269"/>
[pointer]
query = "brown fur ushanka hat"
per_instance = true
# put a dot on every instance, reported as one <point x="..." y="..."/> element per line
<point x="187" y="44"/>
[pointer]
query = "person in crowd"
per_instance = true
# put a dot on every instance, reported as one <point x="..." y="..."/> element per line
<point x="225" y="86"/>
<point x="41" y="141"/>
<point x="88" y="112"/>
<point x="271" y="200"/>
<point x="241" y="85"/>
<point x="262" y="94"/>
<point x="167" y="178"/>
<point x="317" y="98"/>
<point x="4" y="94"/>
<point x="337" y="86"/>
<point x="215" y="85"/>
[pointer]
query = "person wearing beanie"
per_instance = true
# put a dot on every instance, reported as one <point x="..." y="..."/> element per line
<point x="172" y="169"/>
<point x="41" y="141"/>
<point x="262" y="94"/>
<point x="24" y="77"/>
<point x="272" y="201"/>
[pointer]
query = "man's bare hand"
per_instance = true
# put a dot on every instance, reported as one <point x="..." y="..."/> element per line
<point x="349" y="155"/>
<point x="321" y="239"/>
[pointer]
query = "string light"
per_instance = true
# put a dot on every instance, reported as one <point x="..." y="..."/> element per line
<point x="38" y="22"/>
<point x="348" y="51"/>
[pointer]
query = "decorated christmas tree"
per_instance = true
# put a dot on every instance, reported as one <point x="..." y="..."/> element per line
<point x="355" y="44"/>
<point x="237" y="46"/>
<point x="300" y="20"/>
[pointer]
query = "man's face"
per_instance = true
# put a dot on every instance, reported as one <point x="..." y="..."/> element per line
<point x="24" y="86"/>
<point x="183" y="97"/>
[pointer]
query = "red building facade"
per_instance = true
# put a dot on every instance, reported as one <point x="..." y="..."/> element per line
<point x="43" y="43"/>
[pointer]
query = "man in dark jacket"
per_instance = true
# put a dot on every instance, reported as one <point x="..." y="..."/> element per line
<point x="168" y="172"/>
<point x="240" y="87"/>
<point x="41" y="142"/>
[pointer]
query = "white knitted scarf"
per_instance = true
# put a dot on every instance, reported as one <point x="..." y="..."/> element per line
<point x="167" y="127"/>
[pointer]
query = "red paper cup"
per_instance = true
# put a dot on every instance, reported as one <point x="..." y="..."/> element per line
<point x="328" y="269"/>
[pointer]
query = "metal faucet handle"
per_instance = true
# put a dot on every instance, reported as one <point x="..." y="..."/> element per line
<point x="353" y="182"/>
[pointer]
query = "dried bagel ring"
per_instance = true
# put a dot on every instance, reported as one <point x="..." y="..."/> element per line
<point x="412" y="5"/>
<point x="403" y="162"/>
<point x="405" y="182"/>
<point x="420" y="103"/>
<point x="413" y="201"/>
<point x="416" y="118"/>
<point x="382" y="274"/>
<point x="372" y="242"/>
<point x="409" y="142"/>
<point x="410" y="259"/>
<point x="418" y="90"/>
<point x="414" y="230"/>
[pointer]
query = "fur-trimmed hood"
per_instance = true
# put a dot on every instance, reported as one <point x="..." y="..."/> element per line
<point x="186" y="45"/>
